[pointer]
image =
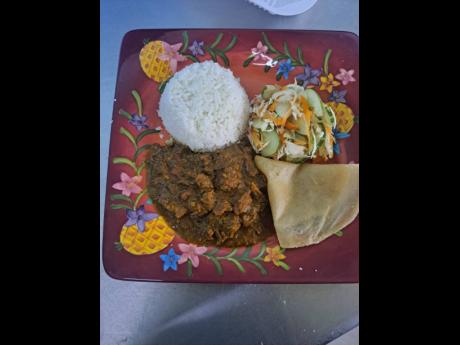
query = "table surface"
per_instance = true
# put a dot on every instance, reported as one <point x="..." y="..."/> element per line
<point x="134" y="313"/>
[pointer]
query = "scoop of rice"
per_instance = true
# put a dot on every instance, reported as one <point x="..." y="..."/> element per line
<point x="204" y="107"/>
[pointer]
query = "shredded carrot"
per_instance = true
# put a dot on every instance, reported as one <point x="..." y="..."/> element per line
<point x="290" y="125"/>
<point x="272" y="106"/>
<point x="279" y="121"/>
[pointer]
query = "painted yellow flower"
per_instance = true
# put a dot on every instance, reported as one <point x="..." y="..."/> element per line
<point x="344" y="115"/>
<point x="274" y="255"/>
<point x="328" y="83"/>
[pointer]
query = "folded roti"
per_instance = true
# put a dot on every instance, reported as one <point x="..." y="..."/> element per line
<point x="310" y="202"/>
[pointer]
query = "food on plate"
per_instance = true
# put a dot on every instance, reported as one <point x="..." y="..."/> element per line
<point x="204" y="107"/>
<point x="310" y="202"/>
<point x="216" y="198"/>
<point x="291" y="123"/>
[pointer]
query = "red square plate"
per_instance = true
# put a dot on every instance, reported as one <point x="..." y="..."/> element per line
<point x="155" y="254"/>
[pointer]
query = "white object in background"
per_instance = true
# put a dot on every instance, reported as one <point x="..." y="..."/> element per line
<point x="284" y="7"/>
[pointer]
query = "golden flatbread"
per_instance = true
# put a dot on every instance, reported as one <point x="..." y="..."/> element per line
<point x="310" y="202"/>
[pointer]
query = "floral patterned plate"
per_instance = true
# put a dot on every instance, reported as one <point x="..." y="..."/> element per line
<point x="138" y="244"/>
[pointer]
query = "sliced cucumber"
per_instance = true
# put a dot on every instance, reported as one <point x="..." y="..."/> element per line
<point x="268" y="91"/>
<point x="302" y="125"/>
<point x="313" y="145"/>
<point x="282" y="108"/>
<point x="273" y="143"/>
<point x="331" y="115"/>
<point x="314" y="101"/>
<point x="262" y="125"/>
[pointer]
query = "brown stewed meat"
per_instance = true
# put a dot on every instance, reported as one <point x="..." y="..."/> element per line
<point x="214" y="198"/>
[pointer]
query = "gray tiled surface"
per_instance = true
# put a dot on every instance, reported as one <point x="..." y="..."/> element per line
<point x="147" y="313"/>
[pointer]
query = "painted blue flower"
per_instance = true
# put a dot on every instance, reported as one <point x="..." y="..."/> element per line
<point x="197" y="48"/>
<point x="338" y="135"/>
<point x="310" y="76"/>
<point x="170" y="260"/>
<point x="284" y="68"/>
<point x="139" y="217"/>
<point x="337" y="96"/>
<point x="138" y="121"/>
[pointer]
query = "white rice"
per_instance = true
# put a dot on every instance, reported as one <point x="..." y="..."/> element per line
<point x="204" y="107"/>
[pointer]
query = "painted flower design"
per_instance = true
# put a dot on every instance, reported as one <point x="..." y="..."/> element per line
<point x="259" y="53"/>
<point x="344" y="115"/>
<point x="139" y="217"/>
<point x="337" y="96"/>
<point x="191" y="252"/>
<point x="274" y="255"/>
<point x="328" y="83"/>
<point x="197" y="48"/>
<point x="170" y="260"/>
<point x="128" y="184"/>
<point x="139" y="121"/>
<point x="309" y="76"/>
<point x="172" y="55"/>
<point x="338" y="135"/>
<point x="345" y="76"/>
<point x="284" y="68"/>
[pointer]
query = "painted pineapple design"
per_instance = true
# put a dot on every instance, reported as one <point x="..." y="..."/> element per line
<point x="156" y="236"/>
<point x="152" y="65"/>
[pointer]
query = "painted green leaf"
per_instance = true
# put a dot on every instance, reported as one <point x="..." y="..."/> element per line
<point x="231" y="44"/>
<point x="141" y="167"/>
<point x="216" y="264"/>
<point x="121" y="197"/>
<point x="246" y="252"/>
<point x="278" y="76"/>
<point x="214" y="251"/>
<point x="189" y="268"/>
<point x="213" y="55"/>
<point x="140" y="150"/>
<point x="184" y="47"/>
<point x="125" y="114"/>
<point x="232" y="253"/>
<point x="138" y="100"/>
<point x="138" y="198"/>
<point x="217" y="40"/>
<point x="286" y="51"/>
<point x="257" y="264"/>
<point x="127" y="134"/>
<point x="237" y="264"/>
<point x="326" y="61"/>
<point x="146" y="132"/>
<point x="262" y="249"/>
<point x="119" y="206"/>
<point x="339" y="233"/>
<point x="300" y="56"/>
<point x="191" y="57"/>
<point x="118" y="246"/>
<point x="124" y="160"/>
<point x="268" y="44"/>
<point x="266" y="68"/>
<point x="281" y="57"/>
<point x="223" y="57"/>
<point x="248" y="61"/>
<point x="284" y="265"/>
<point x="162" y="85"/>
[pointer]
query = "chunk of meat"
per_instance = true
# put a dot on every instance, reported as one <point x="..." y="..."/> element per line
<point x="206" y="159"/>
<point x="186" y="194"/>
<point x="231" y="224"/>
<point x="178" y="210"/>
<point x="204" y="182"/>
<point x="250" y="166"/>
<point x="250" y="217"/>
<point x="208" y="199"/>
<point x="243" y="204"/>
<point x="230" y="178"/>
<point x="196" y="208"/>
<point x="221" y="207"/>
